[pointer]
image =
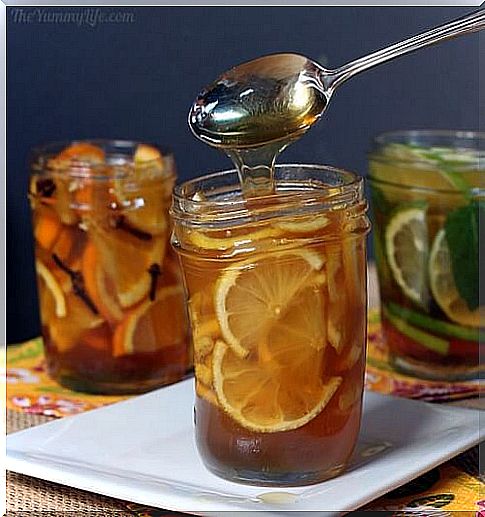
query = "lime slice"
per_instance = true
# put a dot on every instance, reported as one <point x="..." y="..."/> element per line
<point x="444" y="288"/>
<point x="445" y="160"/>
<point x="406" y="238"/>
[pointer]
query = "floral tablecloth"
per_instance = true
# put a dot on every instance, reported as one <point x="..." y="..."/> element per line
<point x="454" y="486"/>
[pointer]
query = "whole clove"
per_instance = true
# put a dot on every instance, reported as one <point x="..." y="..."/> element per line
<point x="45" y="187"/>
<point x="77" y="280"/>
<point x="120" y="222"/>
<point x="155" y="271"/>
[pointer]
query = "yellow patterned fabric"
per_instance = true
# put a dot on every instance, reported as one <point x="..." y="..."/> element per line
<point x="454" y="486"/>
<point x="30" y="389"/>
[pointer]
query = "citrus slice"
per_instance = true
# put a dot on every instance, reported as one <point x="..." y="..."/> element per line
<point x="51" y="294"/>
<point x="126" y="259"/>
<point x="145" y="196"/>
<point x="153" y="325"/>
<point x="204" y="241"/>
<point x="276" y="295"/>
<point x="151" y="215"/>
<point x="71" y="191"/>
<point x="407" y="252"/>
<point x="203" y="374"/>
<point x="305" y="224"/>
<point x="444" y="288"/>
<point x="82" y="152"/>
<point x="266" y="397"/>
<point x="99" y="286"/>
<point x="203" y="338"/>
<point x="206" y="393"/>
<point x="145" y="153"/>
<point x="66" y="332"/>
<point x="98" y="338"/>
<point x="47" y="226"/>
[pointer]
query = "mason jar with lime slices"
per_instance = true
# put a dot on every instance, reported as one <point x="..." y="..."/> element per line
<point x="427" y="194"/>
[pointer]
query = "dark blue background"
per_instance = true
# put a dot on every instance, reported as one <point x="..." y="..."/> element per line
<point x="137" y="81"/>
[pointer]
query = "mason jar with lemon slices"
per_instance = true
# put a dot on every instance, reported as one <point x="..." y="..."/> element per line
<point x="276" y="290"/>
<point x="428" y="200"/>
<point x="110" y="291"/>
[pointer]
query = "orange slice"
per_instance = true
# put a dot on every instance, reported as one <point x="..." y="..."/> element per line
<point x="68" y="188"/>
<point x="66" y="332"/>
<point x="152" y="326"/>
<point x="146" y="196"/>
<point x="47" y="226"/>
<point x="99" y="286"/>
<point x="145" y="153"/>
<point x="82" y="152"/>
<point x="126" y="260"/>
<point x="267" y="396"/>
<point x="98" y="338"/>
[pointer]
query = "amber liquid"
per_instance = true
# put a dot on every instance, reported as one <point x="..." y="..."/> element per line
<point x="110" y="289"/>
<point x="320" y="448"/>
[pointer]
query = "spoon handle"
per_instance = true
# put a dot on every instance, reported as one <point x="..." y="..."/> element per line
<point x="469" y="23"/>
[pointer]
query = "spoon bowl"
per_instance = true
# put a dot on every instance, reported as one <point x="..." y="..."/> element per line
<point x="265" y="100"/>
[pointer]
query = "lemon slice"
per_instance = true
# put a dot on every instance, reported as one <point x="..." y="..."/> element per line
<point x="204" y="338"/>
<point x="152" y="326"/>
<point x="204" y="241"/>
<point x="305" y="225"/>
<point x="50" y="285"/>
<point x="206" y="393"/>
<point x="444" y="288"/>
<point x="276" y="295"/>
<point x="407" y="252"/>
<point x="265" y="396"/>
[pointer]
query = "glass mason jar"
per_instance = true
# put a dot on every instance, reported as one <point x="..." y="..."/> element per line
<point x="110" y="291"/>
<point x="277" y="304"/>
<point x="427" y="195"/>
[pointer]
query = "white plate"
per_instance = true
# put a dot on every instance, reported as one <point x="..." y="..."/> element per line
<point x="143" y="450"/>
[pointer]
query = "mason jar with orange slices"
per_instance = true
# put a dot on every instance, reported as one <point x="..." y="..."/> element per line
<point x="276" y="291"/>
<point x="110" y="290"/>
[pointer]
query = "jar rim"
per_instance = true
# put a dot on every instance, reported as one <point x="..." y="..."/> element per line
<point x="226" y="205"/>
<point x="462" y="140"/>
<point x="461" y="134"/>
<point x="120" y="151"/>
<point x="427" y="151"/>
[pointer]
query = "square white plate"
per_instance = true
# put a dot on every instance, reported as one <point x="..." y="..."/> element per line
<point x="143" y="450"/>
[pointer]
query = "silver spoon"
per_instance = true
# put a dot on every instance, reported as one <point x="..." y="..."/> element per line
<point x="280" y="96"/>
